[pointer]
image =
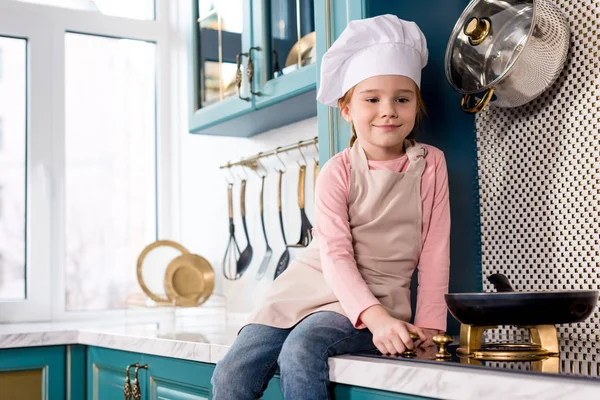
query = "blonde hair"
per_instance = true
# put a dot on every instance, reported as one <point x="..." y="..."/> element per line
<point x="421" y="112"/>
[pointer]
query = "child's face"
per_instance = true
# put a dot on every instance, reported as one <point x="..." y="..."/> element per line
<point x="383" y="109"/>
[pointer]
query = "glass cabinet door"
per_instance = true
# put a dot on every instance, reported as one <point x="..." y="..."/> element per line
<point x="221" y="34"/>
<point x="220" y="25"/>
<point x="291" y="33"/>
<point x="285" y="32"/>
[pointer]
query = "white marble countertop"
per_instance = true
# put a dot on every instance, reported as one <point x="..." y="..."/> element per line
<point x="209" y="338"/>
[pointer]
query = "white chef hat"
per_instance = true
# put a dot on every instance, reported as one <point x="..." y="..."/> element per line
<point x="382" y="45"/>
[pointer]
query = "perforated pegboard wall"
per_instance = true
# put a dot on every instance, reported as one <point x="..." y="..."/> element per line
<point x="539" y="176"/>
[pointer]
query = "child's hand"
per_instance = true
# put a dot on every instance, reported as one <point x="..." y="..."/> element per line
<point x="429" y="333"/>
<point x="390" y="335"/>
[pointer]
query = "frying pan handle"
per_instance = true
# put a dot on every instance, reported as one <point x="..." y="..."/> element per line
<point x="301" y="180"/>
<point x="230" y="199"/>
<point x="243" y="198"/>
<point x="480" y="105"/>
<point x="500" y="282"/>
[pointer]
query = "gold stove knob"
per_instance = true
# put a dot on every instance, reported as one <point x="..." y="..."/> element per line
<point x="442" y="342"/>
<point x="411" y="353"/>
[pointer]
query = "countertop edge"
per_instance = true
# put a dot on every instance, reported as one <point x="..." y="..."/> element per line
<point x="420" y="379"/>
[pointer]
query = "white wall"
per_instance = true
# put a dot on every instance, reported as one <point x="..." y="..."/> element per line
<point x="204" y="212"/>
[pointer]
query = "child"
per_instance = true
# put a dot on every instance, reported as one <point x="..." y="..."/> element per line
<point x="381" y="208"/>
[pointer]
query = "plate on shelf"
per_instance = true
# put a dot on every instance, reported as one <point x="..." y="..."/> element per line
<point x="151" y="265"/>
<point x="304" y="49"/>
<point x="189" y="280"/>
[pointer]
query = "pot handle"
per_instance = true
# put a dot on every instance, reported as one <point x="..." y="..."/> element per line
<point x="481" y="104"/>
<point x="500" y="282"/>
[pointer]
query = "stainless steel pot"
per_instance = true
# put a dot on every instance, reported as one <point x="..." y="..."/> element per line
<point x="513" y="49"/>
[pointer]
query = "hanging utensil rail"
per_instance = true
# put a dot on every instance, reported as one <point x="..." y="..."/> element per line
<point x="252" y="162"/>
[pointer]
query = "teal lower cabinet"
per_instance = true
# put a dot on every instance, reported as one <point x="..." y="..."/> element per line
<point x="343" y="392"/>
<point x="33" y="373"/>
<point x="174" y="379"/>
<point x="106" y="373"/>
<point x="346" y="392"/>
<point x="164" y="378"/>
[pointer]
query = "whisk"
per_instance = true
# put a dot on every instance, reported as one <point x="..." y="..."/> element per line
<point x="232" y="253"/>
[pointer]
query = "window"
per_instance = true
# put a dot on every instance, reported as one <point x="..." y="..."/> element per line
<point x="136" y="9"/>
<point x="86" y="170"/>
<point x="110" y="164"/>
<point x="13" y="138"/>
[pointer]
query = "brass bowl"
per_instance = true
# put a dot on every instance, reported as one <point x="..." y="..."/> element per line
<point x="189" y="280"/>
<point x="140" y="263"/>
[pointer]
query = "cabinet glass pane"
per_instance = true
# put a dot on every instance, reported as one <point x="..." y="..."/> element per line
<point x="110" y="167"/>
<point x="292" y="35"/>
<point x="13" y="155"/>
<point x="220" y="27"/>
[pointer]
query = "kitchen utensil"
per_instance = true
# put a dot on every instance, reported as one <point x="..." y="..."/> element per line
<point x="284" y="259"/>
<point x="521" y="308"/>
<point x="159" y="251"/>
<point x="303" y="52"/>
<point x="246" y="256"/>
<point x="189" y="280"/>
<point x="306" y="226"/>
<point x="511" y="49"/>
<point x="232" y="252"/>
<point x="268" y="252"/>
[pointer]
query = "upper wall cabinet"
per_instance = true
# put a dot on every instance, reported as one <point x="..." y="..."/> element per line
<point x="252" y="65"/>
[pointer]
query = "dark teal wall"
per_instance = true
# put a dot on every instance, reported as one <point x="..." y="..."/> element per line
<point x="451" y="130"/>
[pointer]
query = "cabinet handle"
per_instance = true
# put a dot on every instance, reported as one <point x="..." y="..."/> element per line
<point x="250" y="70"/>
<point x="137" y="393"/>
<point x="238" y="76"/>
<point x="127" y="387"/>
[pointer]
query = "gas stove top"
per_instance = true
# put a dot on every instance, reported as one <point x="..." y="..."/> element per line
<point x="576" y="359"/>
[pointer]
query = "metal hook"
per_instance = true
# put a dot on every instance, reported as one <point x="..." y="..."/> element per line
<point x="302" y="154"/>
<point x="316" y="147"/>
<point x="261" y="168"/>
<point x="245" y="174"/>
<point x="232" y="177"/>
<point x="283" y="169"/>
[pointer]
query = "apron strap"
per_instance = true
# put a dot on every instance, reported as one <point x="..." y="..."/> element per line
<point x="416" y="156"/>
<point x="358" y="158"/>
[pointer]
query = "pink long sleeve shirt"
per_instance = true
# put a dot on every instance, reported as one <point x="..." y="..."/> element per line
<point x="337" y="254"/>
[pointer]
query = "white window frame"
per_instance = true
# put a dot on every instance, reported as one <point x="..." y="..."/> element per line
<point x="44" y="27"/>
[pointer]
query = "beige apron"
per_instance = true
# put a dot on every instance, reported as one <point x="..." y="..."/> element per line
<point x="384" y="210"/>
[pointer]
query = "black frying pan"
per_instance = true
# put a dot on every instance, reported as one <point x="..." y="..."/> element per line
<point x="507" y="307"/>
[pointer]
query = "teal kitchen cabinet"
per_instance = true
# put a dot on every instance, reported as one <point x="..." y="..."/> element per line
<point x="106" y="373"/>
<point x="250" y="65"/>
<point x="164" y="377"/>
<point x="42" y="373"/>
<point x="176" y="379"/>
<point x="286" y="64"/>
<point x="445" y="126"/>
<point x="343" y="392"/>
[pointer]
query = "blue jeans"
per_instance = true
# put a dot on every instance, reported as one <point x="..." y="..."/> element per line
<point x="300" y="352"/>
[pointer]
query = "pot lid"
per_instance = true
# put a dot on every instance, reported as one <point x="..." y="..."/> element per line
<point x="486" y="41"/>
